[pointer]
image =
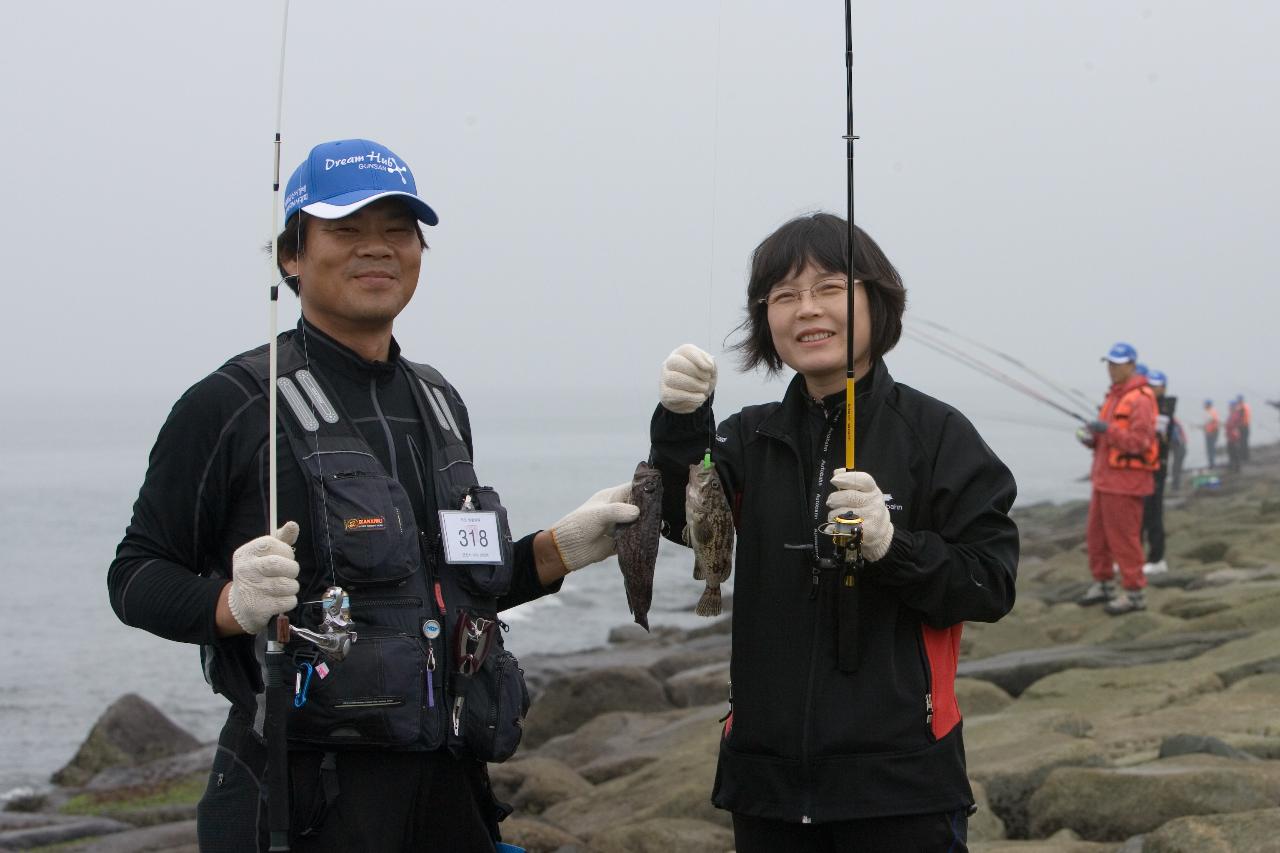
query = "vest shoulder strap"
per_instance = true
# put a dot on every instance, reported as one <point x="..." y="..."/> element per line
<point x="435" y="394"/>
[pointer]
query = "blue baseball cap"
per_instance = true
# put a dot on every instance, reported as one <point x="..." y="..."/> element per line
<point x="1141" y="369"/>
<point x="1208" y="402"/>
<point x="338" y="178"/>
<point x="1156" y="379"/>
<point x="1121" y="353"/>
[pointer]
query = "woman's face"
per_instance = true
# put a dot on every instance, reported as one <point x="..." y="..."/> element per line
<point x="808" y="327"/>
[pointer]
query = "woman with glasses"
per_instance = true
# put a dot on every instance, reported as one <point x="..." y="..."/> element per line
<point x="843" y="731"/>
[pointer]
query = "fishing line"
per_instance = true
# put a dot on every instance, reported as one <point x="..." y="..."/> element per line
<point x="715" y="169"/>
<point x="1073" y="395"/>
<point x="1000" y="376"/>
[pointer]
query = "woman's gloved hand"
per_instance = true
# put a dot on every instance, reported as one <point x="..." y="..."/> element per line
<point x="857" y="493"/>
<point x="585" y="536"/>
<point x="688" y="378"/>
<point x="264" y="579"/>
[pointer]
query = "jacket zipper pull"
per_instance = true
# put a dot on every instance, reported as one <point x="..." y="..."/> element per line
<point x="928" y="708"/>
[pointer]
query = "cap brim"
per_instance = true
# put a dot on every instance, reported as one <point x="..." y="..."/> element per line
<point x="1117" y="360"/>
<point x="348" y="203"/>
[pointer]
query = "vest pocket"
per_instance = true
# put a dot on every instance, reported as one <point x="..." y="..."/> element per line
<point x="364" y="520"/>
<point x="494" y="708"/>
<point x="372" y="698"/>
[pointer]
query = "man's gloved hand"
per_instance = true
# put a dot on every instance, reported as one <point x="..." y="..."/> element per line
<point x="1085" y="437"/>
<point x="264" y="579"/>
<point x="688" y="378"/>
<point x="1097" y="426"/>
<point x="585" y="536"/>
<point x="857" y="493"/>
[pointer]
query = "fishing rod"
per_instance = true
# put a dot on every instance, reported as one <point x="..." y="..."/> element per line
<point x="1073" y="394"/>
<point x="974" y="363"/>
<point x="849" y="378"/>
<point x="275" y="663"/>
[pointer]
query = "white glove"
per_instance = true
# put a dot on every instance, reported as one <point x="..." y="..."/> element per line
<point x="1162" y="423"/>
<point x="264" y="579"/>
<point x="1086" y="437"/>
<point x="857" y="492"/>
<point x="688" y="378"/>
<point x="585" y="536"/>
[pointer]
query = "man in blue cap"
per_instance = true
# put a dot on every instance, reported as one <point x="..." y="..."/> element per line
<point x="388" y="742"/>
<point x="1153" y="505"/>
<point x="1123" y="440"/>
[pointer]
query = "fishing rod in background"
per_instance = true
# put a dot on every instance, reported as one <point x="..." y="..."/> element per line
<point x="971" y="361"/>
<point x="1073" y="394"/>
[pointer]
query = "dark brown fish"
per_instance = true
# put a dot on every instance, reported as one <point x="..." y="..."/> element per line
<point x="709" y="532"/>
<point x="638" y="542"/>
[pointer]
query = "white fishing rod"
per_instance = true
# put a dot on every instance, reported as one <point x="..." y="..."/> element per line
<point x="274" y="273"/>
<point x="277" y="689"/>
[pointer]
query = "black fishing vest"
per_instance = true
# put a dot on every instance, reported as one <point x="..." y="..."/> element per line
<point x="427" y="669"/>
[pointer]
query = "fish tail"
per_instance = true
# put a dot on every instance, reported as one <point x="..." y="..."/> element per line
<point x="642" y="619"/>
<point x="709" y="604"/>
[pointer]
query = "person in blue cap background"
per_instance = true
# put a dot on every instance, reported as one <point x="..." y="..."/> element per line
<point x="1123" y="440"/>
<point x="388" y="746"/>
<point x="1153" y="505"/>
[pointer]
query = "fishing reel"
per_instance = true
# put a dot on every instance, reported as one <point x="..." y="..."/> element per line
<point x="845" y="532"/>
<point x="335" y="635"/>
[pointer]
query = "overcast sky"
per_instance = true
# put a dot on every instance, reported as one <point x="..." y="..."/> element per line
<point x="1048" y="176"/>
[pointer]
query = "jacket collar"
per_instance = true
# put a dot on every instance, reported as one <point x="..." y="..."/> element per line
<point x="335" y="357"/>
<point x="788" y="420"/>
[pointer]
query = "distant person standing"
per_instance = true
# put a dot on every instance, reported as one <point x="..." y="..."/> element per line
<point x="1153" y="505"/>
<point x="1125" y="451"/>
<point x="1234" y="429"/>
<point x="1212" y="424"/>
<point x="1246" y="421"/>
<point x="1178" y="449"/>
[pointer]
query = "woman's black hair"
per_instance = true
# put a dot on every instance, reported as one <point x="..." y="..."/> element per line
<point x="821" y="239"/>
<point x="291" y="241"/>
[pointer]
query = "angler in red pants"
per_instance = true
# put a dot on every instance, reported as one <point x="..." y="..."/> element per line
<point x="1125" y="455"/>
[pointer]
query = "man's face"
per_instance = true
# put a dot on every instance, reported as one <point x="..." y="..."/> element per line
<point x="1120" y="372"/>
<point x="358" y="272"/>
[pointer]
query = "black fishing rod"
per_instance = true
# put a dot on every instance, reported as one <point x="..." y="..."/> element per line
<point x="974" y="363"/>
<point x="1076" y="396"/>
<point x="849" y="138"/>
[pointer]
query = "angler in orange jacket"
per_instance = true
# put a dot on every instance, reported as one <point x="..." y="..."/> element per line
<point x="1212" y="425"/>
<point x="1246" y="421"/>
<point x="1125" y="455"/>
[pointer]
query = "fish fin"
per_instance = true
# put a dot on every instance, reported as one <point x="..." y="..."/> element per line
<point x="642" y="619"/>
<point x="709" y="604"/>
<point x="699" y="570"/>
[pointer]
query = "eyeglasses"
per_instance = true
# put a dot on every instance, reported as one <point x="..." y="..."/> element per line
<point x="828" y="289"/>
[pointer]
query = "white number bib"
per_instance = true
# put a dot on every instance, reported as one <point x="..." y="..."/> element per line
<point x="470" y="537"/>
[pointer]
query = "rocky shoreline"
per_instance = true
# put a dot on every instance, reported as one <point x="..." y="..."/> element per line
<point x="1152" y="732"/>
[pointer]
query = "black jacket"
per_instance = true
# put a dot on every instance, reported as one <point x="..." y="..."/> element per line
<point x="804" y="740"/>
<point x="205" y="494"/>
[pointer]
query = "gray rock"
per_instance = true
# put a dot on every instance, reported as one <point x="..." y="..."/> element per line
<point x="980" y="697"/>
<point x="664" y="835"/>
<point x="1228" y="833"/>
<point x="131" y="731"/>
<point x="537" y="836"/>
<point x="1184" y="744"/>
<point x="1015" y="671"/>
<point x="167" y="838"/>
<point x="535" y="783"/>
<point x="1111" y="804"/>
<point x="571" y="700"/>
<point x="155" y="772"/>
<point x="690" y="658"/>
<point x="59" y="829"/>
<point x="706" y="685"/>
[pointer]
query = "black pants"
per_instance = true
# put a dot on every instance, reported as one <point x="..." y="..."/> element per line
<point x="928" y="833"/>
<point x="383" y="801"/>
<point x="1244" y="444"/>
<point x="1211" y="447"/>
<point x="1153" y="520"/>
